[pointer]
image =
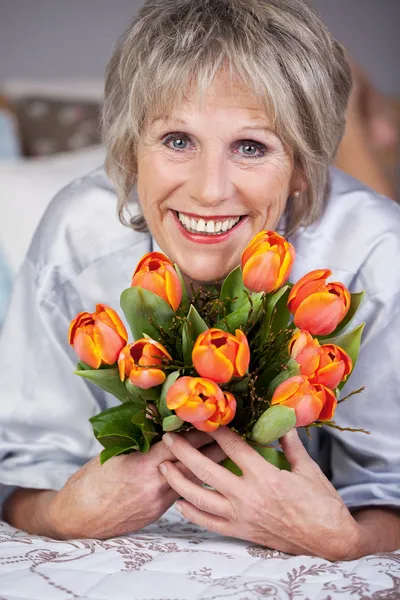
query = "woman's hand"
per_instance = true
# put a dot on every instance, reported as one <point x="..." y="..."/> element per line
<point x="298" y="512"/>
<point x="125" y="494"/>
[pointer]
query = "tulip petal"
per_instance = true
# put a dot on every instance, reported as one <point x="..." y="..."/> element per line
<point x="261" y="271"/>
<point x="206" y="426"/>
<point x="212" y="364"/>
<point x="151" y="281"/>
<point x="243" y="355"/>
<point x="119" y="326"/>
<point x="108" y="342"/>
<point x="306" y="407"/>
<point x="329" y="403"/>
<point x="78" y="322"/>
<point x="311" y="283"/>
<point x="146" y="378"/>
<point x="151" y="257"/>
<point x="287" y="389"/>
<point x="309" y="358"/>
<point x="86" y="349"/>
<point x="196" y="410"/>
<point x="286" y="266"/>
<point x="319" y="313"/>
<point x="331" y="375"/>
<point x="173" y="287"/>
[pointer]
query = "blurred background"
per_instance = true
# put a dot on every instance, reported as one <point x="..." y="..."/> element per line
<point x="52" y="59"/>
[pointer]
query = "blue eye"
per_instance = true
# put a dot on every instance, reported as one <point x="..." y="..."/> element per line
<point x="251" y="149"/>
<point x="176" y="141"/>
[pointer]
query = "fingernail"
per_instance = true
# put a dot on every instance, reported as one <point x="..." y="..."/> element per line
<point x="178" y="507"/>
<point x="168" y="439"/>
<point x="163" y="468"/>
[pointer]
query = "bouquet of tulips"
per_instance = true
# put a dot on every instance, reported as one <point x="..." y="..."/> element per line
<point x="255" y="353"/>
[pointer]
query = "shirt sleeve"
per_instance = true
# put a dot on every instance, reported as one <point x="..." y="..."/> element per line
<point x="44" y="430"/>
<point x="365" y="469"/>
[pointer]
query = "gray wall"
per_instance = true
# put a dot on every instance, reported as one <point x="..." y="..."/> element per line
<point x="74" y="38"/>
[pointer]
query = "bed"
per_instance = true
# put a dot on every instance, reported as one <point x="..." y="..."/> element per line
<point x="174" y="560"/>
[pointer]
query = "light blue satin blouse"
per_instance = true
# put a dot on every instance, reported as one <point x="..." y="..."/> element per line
<point x="82" y="255"/>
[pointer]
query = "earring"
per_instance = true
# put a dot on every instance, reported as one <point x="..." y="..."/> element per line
<point x="296" y="195"/>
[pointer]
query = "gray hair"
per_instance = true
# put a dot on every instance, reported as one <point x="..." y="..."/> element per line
<point x="280" y="49"/>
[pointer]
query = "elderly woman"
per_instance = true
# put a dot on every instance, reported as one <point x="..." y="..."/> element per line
<point x="221" y="119"/>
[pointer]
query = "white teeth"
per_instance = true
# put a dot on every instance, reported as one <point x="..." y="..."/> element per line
<point x="209" y="226"/>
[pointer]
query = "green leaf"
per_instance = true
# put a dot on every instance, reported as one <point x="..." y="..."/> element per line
<point x="184" y="306"/>
<point x="233" y="287"/>
<point x="162" y="404"/>
<point x="139" y="306"/>
<point x="172" y="423"/>
<point x="141" y="396"/>
<point x="192" y="328"/>
<point x="108" y="380"/>
<point x="350" y="342"/>
<point x="271" y="455"/>
<point x="292" y="369"/>
<point x="240" y="318"/>
<point x="116" y="450"/>
<point x="276" y="315"/>
<point x="273" y="423"/>
<point x="356" y="300"/>
<point x="114" y="428"/>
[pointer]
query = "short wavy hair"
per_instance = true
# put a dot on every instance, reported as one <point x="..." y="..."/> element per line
<point x="280" y="49"/>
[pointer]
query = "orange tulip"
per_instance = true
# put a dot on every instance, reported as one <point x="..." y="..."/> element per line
<point x="267" y="262"/>
<point x="201" y="402"/>
<point x="140" y="362"/>
<point x="327" y="364"/>
<point x="318" y="306"/>
<point x="98" y="337"/>
<point x="310" y="402"/>
<point x="156" y="273"/>
<point x="219" y="356"/>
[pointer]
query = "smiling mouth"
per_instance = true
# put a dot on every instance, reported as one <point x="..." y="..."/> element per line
<point x="206" y="226"/>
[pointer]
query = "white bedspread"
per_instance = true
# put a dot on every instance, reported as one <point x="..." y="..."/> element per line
<point x="174" y="560"/>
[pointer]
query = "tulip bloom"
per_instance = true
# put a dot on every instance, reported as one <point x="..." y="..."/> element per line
<point x="141" y="362"/>
<point x="219" y="356"/>
<point x="98" y="337"/>
<point x="201" y="402"/>
<point x="267" y="262"/>
<point x="318" y="306"/>
<point x="311" y="402"/>
<point x="156" y="273"/>
<point x="327" y="364"/>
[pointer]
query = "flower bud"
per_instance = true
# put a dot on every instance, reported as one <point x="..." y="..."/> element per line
<point x="142" y="363"/>
<point x="267" y="262"/>
<point x="219" y="356"/>
<point x="156" y="273"/>
<point x="317" y="306"/>
<point x="310" y="402"/>
<point x="201" y="402"/>
<point x="98" y="337"/>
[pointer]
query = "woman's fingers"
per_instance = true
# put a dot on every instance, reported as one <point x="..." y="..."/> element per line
<point x="243" y="455"/>
<point x="159" y="452"/>
<point x="205" y="520"/>
<point x="203" y="499"/>
<point x="201" y="466"/>
<point x="213" y="452"/>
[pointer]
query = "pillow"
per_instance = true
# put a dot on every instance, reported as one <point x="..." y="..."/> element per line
<point x="26" y="188"/>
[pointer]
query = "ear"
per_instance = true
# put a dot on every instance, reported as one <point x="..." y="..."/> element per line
<point x="298" y="183"/>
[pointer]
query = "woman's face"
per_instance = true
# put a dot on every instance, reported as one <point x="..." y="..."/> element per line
<point x="212" y="176"/>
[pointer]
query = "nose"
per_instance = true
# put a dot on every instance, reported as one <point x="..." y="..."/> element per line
<point x="211" y="182"/>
